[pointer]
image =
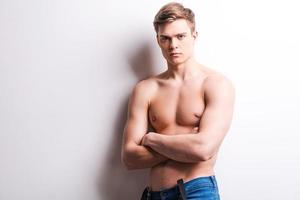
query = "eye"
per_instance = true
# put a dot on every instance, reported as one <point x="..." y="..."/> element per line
<point x="163" y="39"/>
<point x="181" y="37"/>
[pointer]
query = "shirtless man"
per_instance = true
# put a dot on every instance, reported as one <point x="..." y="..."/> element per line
<point x="190" y="108"/>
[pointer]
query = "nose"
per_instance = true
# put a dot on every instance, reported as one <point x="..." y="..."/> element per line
<point x="173" y="44"/>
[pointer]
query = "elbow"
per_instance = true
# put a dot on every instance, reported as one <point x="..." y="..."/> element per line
<point x="128" y="165"/>
<point x="204" y="157"/>
<point x="127" y="160"/>
<point x="204" y="154"/>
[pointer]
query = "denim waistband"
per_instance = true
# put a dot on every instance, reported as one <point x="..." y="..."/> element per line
<point x="196" y="182"/>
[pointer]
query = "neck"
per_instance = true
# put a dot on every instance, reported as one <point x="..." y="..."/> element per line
<point x="183" y="71"/>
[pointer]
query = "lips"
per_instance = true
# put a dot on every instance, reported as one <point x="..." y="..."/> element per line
<point x="175" y="54"/>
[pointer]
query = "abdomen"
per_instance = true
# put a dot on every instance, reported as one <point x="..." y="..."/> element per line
<point x="165" y="175"/>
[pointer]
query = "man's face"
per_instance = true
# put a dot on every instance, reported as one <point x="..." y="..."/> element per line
<point x="176" y="41"/>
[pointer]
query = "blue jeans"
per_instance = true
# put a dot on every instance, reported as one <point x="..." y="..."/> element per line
<point x="202" y="188"/>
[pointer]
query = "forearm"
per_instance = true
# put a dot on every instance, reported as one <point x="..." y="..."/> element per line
<point x="187" y="148"/>
<point x="141" y="157"/>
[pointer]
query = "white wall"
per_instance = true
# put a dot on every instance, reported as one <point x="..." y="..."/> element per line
<point x="67" y="69"/>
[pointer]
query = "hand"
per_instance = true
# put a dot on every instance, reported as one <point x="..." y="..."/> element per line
<point x="195" y="129"/>
<point x="145" y="140"/>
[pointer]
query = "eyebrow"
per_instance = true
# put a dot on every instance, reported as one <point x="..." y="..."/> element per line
<point x="167" y="36"/>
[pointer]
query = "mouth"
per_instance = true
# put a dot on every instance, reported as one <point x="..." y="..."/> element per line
<point x="175" y="54"/>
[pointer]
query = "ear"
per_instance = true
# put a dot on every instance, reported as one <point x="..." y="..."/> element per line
<point x="195" y="35"/>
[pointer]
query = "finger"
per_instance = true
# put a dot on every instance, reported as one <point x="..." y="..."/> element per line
<point x="195" y="129"/>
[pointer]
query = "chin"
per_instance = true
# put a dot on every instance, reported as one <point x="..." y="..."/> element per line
<point x="177" y="61"/>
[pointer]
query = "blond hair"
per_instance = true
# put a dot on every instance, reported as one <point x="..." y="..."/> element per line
<point x="172" y="11"/>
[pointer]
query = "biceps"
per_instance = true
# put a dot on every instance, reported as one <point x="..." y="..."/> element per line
<point x="135" y="130"/>
<point x="216" y="120"/>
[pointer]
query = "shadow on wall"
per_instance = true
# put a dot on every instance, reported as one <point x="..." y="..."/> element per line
<point x="116" y="182"/>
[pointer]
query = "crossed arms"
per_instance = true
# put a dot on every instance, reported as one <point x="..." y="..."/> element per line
<point x="141" y="150"/>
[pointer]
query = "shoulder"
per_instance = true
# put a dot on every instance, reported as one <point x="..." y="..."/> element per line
<point x="216" y="84"/>
<point x="146" y="85"/>
<point x="144" y="89"/>
<point x="216" y="79"/>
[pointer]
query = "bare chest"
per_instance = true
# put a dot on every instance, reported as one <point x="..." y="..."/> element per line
<point x="174" y="106"/>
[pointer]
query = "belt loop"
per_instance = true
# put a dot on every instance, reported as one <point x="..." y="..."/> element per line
<point x="181" y="189"/>
<point x="213" y="181"/>
<point x="148" y="193"/>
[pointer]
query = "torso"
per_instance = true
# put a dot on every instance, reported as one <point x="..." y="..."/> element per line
<point x="176" y="108"/>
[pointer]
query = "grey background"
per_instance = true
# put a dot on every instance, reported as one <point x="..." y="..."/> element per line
<point x="67" y="69"/>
